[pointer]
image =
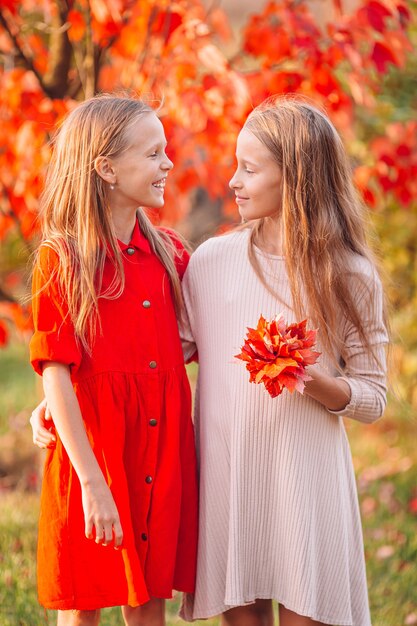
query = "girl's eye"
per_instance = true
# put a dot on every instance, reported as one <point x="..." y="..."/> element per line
<point x="249" y="171"/>
<point x="154" y="154"/>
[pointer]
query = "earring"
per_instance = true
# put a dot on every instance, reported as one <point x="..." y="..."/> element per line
<point x="112" y="187"/>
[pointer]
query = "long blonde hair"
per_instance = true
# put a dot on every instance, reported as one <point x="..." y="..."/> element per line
<point x="75" y="213"/>
<point x="323" y="218"/>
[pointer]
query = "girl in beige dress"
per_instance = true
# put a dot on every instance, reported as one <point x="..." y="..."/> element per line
<point x="279" y="515"/>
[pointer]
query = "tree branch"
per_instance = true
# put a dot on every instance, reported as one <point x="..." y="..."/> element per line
<point x="27" y="61"/>
<point x="89" y="60"/>
<point x="56" y="78"/>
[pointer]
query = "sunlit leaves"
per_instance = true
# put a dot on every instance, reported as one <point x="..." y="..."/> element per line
<point x="276" y="354"/>
<point x="395" y="166"/>
<point x="168" y="51"/>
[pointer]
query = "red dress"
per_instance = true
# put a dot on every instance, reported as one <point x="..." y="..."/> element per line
<point x="136" y="404"/>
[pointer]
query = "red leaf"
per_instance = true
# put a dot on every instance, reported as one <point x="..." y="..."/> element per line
<point x="265" y="35"/>
<point x="377" y="13"/>
<point x="165" y="24"/>
<point x="4" y="335"/>
<point x="77" y="26"/>
<point x="404" y="14"/>
<point x="324" y="82"/>
<point x="285" y="82"/>
<point x="276" y="354"/>
<point x="382" y="56"/>
<point x="11" y="5"/>
<point x="412" y="506"/>
<point x="403" y="150"/>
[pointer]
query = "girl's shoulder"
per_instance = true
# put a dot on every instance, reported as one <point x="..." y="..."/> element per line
<point x="363" y="275"/>
<point x="216" y="249"/>
<point x="358" y="264"/>
<point x="361" y="266"/>
<point x="47" y="258"/>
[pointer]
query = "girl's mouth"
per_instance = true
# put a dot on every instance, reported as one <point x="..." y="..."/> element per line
<point x="160" y="184"/>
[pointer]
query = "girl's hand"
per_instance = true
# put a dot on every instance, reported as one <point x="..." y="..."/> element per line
<point x="43" y="428"/>
<point x="101" y="515"/>
<point x="330" y="391"/>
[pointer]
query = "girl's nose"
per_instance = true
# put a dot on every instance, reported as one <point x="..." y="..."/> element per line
<point x="233" y="182"/>
<point x="168" y="164"/>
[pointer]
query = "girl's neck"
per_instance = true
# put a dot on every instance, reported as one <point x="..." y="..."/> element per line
<point x="124" y="223"/>
<point x="269" y="237"/>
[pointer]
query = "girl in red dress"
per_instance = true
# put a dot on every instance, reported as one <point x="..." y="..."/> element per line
<point x="118" y="523"/>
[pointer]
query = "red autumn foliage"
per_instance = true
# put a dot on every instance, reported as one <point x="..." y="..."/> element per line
<point x="3" y="334"/>
<point x="412" y="506"/>
<point x="395" y="166"/>
<point x="53" y="54"/>
<point x="276" y="355"/>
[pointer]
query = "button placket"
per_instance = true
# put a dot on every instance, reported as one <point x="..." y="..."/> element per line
<point x="151" y="455"/>
<point x="153" y="407"/>
<point x="147" y="301"/>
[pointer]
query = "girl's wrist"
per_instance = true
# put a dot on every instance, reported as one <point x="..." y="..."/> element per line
<point x="92" y="481"/>
<point x="331" y="391"/>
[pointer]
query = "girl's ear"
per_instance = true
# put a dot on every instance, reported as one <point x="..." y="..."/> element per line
<point x="105" y="169"/>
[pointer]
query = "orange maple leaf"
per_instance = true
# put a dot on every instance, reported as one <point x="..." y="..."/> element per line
<point x="277" y="354"/>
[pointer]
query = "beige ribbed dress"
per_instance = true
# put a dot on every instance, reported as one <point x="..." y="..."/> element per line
<point x="279" y="514"/>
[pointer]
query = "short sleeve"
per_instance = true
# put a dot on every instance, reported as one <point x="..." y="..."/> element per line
<point x="365" y="373"/>
<point x="54" y="337"/>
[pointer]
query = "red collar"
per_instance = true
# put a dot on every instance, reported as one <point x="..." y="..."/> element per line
<point x="137" y="241"/>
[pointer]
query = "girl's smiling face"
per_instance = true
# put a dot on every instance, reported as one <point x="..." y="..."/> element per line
<point x="257" y="180"/>
<point x="141" y="170"/>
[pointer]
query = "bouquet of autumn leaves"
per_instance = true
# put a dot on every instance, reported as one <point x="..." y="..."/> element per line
<point x="277" y="355"/>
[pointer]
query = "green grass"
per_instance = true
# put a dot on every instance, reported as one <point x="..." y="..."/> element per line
<point x="385" y="459"/>
<point x="17" y="384"/>
<point x="18" y="601"/>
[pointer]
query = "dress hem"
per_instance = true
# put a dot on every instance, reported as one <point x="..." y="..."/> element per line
<point x="90" y="604"/>
<point x="238" y="603"/>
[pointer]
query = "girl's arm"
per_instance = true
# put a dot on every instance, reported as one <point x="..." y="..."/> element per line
<point x="333" y="392"/>
<point x="182" y="262"/>
<point x="361" y="392"/>
<point x="188" y="343"/>
<point x="100" y="510"/>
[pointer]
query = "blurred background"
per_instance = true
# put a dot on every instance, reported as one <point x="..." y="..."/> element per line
<point x="209" y="63"/>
